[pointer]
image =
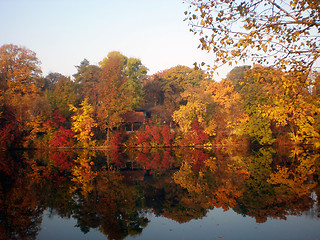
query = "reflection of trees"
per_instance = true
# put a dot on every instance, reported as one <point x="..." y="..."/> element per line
<point x="257" y="191"/>
<point x="52" y="171"/>
<point x="20" y="205"/>
<point x="96" y="198"/>
<point x="165" y="198"/>
<point x="294" y="184"/>
<point x="111" y="207"/>
<point x="155" y="159"/>
<point x="103" y="201"/>
<point x="210" y="181"/>
<point x="280" y="192"/>
<point x="82" y="174"/>
<point x="93" y="189"/>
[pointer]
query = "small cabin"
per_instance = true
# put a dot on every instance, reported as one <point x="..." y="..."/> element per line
<point x="134" y="120"/>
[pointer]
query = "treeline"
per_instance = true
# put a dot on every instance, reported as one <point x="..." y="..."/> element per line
<point x="181" y="106"/>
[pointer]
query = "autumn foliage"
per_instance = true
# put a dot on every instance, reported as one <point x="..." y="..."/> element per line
<point x="254" y="105"/>
<point x="154" y="161"/>
<point x="154" y="136"/>
<point x="10" y="135"/>
<point x="59" y="136"/>
<point x="196" y="136"/>
<point x="60" y="167"/>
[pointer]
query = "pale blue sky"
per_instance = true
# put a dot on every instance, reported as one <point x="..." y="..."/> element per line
<point x="64" y="32"/>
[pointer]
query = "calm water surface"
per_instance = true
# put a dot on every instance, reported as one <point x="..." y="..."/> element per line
<point x="160" y="194"/>
<point x="218" y="224"/>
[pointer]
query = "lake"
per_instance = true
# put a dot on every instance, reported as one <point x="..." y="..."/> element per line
<point x="180" y="193"/>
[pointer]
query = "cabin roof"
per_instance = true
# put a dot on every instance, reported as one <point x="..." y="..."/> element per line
<point x="134" y="117"/>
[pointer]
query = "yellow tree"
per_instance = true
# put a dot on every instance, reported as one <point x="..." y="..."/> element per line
<point x="194" y="110"/>
<point x="228" y="115"/>
<point x="291" y="104"/>
<point x="294" y="107"/>
<point x="279" y="33"/>
<point x="83" y="124"/>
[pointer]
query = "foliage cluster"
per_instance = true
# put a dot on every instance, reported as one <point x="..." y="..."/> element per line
<point x="259" y="105"/>
<point x="154" y="136"/>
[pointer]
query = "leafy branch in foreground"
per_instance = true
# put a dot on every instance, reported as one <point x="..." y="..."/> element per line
<point x="284" y="33"/>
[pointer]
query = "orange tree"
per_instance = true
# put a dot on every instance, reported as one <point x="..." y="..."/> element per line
<point x="228" y="113"/>
<point x="19" y="92"/>
<point x="115" y="98"/>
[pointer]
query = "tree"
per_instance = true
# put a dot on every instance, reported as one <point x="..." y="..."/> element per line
<point x="154" y="136"/>
<point x="237" y="75"/>
<point x="114" y="55"/>
<point x="152" y="88"/>
<point x="173" y="82"/>
<point x="194" y="110"/>
<point x="254" y="95"/>
<point x="177" y="79"/>
<point x="316" y="95"/>
<point x="19" y="70"/>
<point x="133" y="70"/>
<point x="19" y="76"/>
<point x="137" y="73"/>
<point x="51" y="80"/>
<point x="83" y="124"/>
<point x="87" y="80"/>
<point x="62" y="94"/>
<point x="115" y="98"/>
<point x="228" y="114"/>
<point x="285" y="33"/>
<point x="56" y="133"/>
<point x="290" y="103"/>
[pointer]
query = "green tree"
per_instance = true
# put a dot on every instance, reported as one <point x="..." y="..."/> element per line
<point x="137" y="74"/>
<point x="254" y="96"/>
<point x="61" y="94"/>
<point x="87" y="80"/>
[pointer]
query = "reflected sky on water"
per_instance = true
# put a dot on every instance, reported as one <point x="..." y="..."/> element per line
<point x="218" y="224"/>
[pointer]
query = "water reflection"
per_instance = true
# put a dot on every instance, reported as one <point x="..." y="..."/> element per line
<point x="114" y="192"/>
